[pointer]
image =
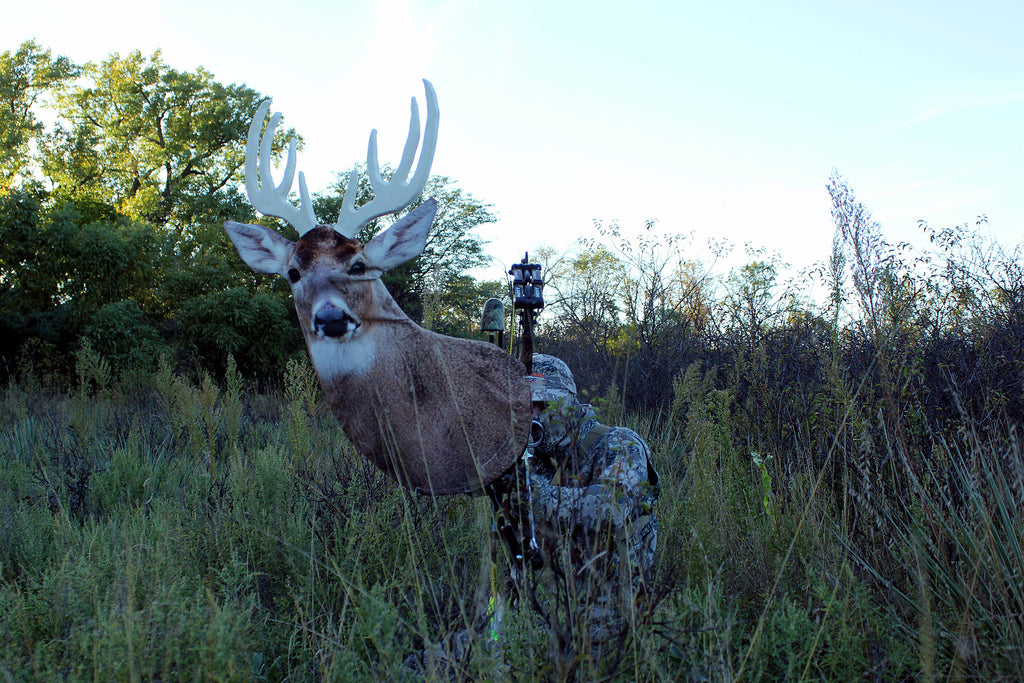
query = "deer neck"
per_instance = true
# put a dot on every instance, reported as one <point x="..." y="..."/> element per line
<point x="392" y="396"/>
<point x="433" y="411"/>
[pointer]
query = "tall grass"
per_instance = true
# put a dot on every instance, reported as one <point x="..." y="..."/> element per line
<point x="192" y="529"/>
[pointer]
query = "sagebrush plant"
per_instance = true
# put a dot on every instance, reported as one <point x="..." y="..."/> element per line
<point x="231" y="409"/>
<point x="302" y="392"/>
<point x="93" y="370"/>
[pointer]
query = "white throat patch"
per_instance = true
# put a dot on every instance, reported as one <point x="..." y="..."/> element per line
<point x="333" y="359"/>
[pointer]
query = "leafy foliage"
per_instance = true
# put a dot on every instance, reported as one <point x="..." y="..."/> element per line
<point x="162" y="145"/>
<point x="123" y="335"/>
<point x="27" y="76"/>
<point x="258" y="330"/>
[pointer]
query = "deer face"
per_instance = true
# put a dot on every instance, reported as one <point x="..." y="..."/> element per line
<point x="326" y="271"/>
<point x="335" y="280"/>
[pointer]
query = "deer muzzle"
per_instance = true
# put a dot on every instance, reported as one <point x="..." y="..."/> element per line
<point x="331" y="321"/>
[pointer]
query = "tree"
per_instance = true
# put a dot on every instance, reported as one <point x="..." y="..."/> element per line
<point x="160" y="144"/>
<point x="64" y="263"/>
<point x="584" y="295"/>
<point x="454" y="307"/>
<point x="75" y="255"/>
<point x="26" y="76"/>
<point x="626" y="310"/>
<point x="751" y="303"/>
<point x="693" y="283"/>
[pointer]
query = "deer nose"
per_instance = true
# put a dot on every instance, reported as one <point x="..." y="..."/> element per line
<point x="331" y="321"/>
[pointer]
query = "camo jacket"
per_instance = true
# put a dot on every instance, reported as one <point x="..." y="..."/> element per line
<point x="593" y="501"/>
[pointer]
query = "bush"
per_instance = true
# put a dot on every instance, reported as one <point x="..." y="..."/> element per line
<point x="121" y="333"/>
<point x="259" y="330"/>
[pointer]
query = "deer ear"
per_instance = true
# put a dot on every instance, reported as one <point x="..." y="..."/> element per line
<point x="404" y="240"/>
<point x="263" y="249"/>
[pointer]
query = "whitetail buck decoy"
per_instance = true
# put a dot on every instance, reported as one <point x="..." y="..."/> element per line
<point x="442" y="415"/>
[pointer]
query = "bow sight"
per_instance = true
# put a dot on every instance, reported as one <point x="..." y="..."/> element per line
<point x="527" y="285"/>
<point x="527" y="290"/>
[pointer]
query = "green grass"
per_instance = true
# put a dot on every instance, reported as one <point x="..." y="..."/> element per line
<point x="195" y="531"/>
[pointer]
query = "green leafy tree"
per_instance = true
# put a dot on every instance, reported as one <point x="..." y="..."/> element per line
<point x="125" y="336"/>
<point x="218" y="307"/>
<point x="751" y="302"/>
<point x="27" y="76"/>
<point x="584" y="294"/>
<point x="162" y="145"/>
<point x="64" y="263"/>
<point x="258" y="330"/>
<point x="70" y="269"/>
<point x="76" y="255"/>
<point x="453" y="306"/>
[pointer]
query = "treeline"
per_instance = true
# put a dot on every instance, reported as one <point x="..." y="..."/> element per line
<point x="111" y="215"/>
<point x="937" y="336"/>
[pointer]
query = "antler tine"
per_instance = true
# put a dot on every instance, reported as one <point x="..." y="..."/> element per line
<point x="401" y="190"/>
<point x="266" y="197"/>
<point x="412" y="142"/>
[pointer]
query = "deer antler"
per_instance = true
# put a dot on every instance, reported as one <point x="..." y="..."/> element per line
<point x="399" y="192"/>
<point x="266" y="197"/>
<point x="388" y="196"/>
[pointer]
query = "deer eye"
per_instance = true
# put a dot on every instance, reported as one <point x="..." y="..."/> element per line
<point x="357" y="268"/>
<point x="293" y="275"/>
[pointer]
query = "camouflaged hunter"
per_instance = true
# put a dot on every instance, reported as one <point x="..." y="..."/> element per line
<point x="593" y="491"/>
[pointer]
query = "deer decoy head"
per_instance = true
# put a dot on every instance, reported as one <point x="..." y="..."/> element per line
<point x="442" y="415"/>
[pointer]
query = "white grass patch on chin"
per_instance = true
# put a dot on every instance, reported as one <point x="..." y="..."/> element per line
<point x="333" y="358"/>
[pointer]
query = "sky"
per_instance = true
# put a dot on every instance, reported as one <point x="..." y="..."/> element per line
<point x="721" y="120"/>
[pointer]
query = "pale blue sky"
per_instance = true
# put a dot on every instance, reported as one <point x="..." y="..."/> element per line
<point x="724" y="119"/>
